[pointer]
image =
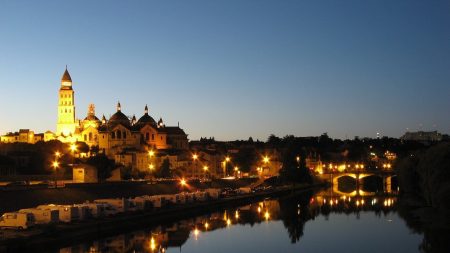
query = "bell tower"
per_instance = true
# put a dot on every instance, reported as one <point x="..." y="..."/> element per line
<point x="66" y="107"/>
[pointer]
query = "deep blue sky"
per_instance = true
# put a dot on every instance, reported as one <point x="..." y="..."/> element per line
<point x="232" y="69"/>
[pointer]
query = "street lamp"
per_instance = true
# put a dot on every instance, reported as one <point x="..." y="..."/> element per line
<point x="205" y="170"/>
<point x="227" y="159"/>
<point x="194" y="168"/>
<point x="151" y="154"/>
<point x="55" y="165"/>
<point x="183" y="182"/>
<point x="73" y="149"/>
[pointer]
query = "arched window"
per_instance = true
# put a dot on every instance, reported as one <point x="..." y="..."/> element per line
<point x="85" y="137"/>
<point x="147" y="136"/>
<point x="90" y="136"/>
<point x="153" y="137"/>
<point x="113" y="135"/>
<point x="119" y="134"/>
<point x="124" y="134"/>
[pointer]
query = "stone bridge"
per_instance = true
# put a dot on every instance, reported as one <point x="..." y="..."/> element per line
<point x="359" y="176"/>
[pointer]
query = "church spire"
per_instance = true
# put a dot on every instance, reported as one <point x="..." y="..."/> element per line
<point x="119" y="108"/>
<point x="66" y="76"/>
<point x="146" y="109"/>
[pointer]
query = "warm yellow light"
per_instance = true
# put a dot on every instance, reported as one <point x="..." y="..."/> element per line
<point x="236" y="214"/>
<point x="55" y="164"/>
<point x="266" y="159"/>
<point x="152" y="244"/>
<point x="228" y="222"/>
<point x="57" y="154"/>
<point x="151" y="166"/>
<point x="259" y="209"/>
<point x="206" y="225"/>
<point x="196" y="232"/>
<point x="73" y="147"/>
<point x="151" y="153"/>
<point x="236" y="168"/>
<point x="227" y="159"/>
<point x="267" y="215"/>
<point x="195" y="156"/>
<point x="298" y="158"/>
<point x="205" y="168"/>
<point x="183" y="182"/>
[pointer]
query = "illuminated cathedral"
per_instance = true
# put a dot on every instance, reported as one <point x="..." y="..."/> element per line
<point x="116" y="134"/>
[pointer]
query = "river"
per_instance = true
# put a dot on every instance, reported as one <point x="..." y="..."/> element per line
<point x="306" y="222"/>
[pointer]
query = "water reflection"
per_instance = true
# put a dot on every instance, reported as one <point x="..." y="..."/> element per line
<point x="293" y="211"/>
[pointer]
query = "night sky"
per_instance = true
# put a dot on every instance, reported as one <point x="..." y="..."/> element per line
<point x="232" y="69"/>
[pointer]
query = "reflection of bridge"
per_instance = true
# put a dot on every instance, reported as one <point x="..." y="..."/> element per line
<point x="359" y="176"/>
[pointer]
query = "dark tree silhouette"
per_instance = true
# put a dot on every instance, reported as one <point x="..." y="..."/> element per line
<point x="103" y="164"/>
<point x="164" y="171"/>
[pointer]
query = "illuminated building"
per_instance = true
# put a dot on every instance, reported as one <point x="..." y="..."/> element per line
<point x="112" y="136"/>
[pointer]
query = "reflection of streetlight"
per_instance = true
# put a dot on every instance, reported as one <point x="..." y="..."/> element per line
<point x="152" y="244"/>
<point x="196" y="232"/>
<point x="206" y="225"/>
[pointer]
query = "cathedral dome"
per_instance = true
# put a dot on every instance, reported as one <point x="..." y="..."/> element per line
<point x="146" y="118"/>
<point x="119" y="118"/>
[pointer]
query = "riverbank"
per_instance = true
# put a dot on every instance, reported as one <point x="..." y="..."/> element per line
<point x="79" y="193"/>
<point x="61" y="234"/>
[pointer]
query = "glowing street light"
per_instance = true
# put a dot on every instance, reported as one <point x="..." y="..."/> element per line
<point x="227" y="159"/>
<point x="195" y="158"/>
<point x="57" y="154"/>
<point x="206" y="225"/>
<point x="183" y="182"/>
<point x="266" y="159"/>
<point x="55" y="165"/>
<point x="205" y="170"/>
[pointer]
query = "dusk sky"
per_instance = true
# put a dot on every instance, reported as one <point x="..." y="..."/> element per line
<point x="232" y="69"/>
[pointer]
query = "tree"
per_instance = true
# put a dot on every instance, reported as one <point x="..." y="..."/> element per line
<point x="294" y="168"/>
<point x="245" y="159"/>
<point x="164" y="171"/>
<point x="103" y="164"/>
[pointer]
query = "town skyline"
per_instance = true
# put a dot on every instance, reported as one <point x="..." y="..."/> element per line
<point x="233" y="71"/>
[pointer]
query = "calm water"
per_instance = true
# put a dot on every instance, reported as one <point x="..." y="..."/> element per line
<point x="321" y="222"/>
